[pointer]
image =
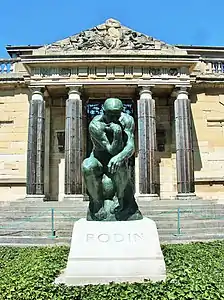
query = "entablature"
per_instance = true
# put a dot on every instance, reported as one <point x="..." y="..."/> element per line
<point x="109" y="67"/>
<point x="109" y="72"/>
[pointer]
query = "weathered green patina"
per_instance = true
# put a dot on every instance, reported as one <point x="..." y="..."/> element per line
<point x="106" y="170"/>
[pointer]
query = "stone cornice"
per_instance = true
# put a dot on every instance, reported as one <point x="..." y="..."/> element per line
<point x="111" y="57"/>
<point x="103" y="82"/>
<point x="211" y="77"/>
<point x="208" y="84"/>
<point x="11" y="77"/>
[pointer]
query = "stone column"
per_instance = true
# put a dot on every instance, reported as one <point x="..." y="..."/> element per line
<point x="73" y="143"/>
<point x="47" y="151"/>
<point x="36" y="144"/>
<point x="147" y="144"/>
<point x="184" y="144"/>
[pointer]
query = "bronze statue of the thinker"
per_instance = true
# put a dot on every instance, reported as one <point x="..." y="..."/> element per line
<point x="106" y="170"/>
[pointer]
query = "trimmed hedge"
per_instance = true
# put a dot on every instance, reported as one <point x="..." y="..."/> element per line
<point x="194" y="271"/>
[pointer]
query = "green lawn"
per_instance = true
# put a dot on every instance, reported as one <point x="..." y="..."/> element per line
<point x="194" y="271"/>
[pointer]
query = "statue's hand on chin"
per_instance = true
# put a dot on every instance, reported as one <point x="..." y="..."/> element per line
<point x="116" y="128"/>
<point x="114" y="164"/>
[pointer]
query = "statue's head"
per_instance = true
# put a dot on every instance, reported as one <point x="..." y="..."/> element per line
<point x="112" y="109"/>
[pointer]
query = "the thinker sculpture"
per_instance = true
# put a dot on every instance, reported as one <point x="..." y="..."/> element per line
<point x="106" y="170"/>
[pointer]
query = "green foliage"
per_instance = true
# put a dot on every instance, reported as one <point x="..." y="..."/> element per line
<point x="194" y="271"/>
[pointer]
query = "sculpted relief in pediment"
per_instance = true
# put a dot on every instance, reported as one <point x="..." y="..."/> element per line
<point x="110" y="35"/>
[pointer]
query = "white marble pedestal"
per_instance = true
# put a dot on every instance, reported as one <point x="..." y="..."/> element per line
<point x="102" y="252"/>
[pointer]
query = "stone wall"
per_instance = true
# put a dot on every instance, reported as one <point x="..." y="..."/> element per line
<point x="14" y="108"/>
<point x="208" y="136"/>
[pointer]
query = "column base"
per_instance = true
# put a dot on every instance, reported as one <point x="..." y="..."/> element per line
<point x="35" y="197"/>
<point x="147" y="197"/>
<point x="186" y="196"/>
<point x="75" y="197"/>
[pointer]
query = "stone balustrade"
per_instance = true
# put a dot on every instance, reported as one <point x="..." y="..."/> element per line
<point x="213" y="67"/>
<point x="7" y="65"/>
<point x="217" y="67"/>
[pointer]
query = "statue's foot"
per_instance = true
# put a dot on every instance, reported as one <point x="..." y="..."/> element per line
<point x="101" y="214"/>
<point x="118" y="209"/>
<point x="108" y="204"/>
<point x="127" y="214"/>
<point x="114" y="206"/>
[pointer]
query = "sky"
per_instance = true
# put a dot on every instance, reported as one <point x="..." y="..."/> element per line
<point x="40" y="22"/>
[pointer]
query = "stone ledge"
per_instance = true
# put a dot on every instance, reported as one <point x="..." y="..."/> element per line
<point x="12" y="181"/>
<point x="209" y="180"/>
<point x="186" y="196"/>
<point x="11" y="77"/>
<point x="35" y="197"/>
<point x="146" y="197"/>
<point x="78" y="197"/>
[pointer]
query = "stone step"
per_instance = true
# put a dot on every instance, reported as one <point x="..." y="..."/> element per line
<point x="63" y="208"/>
<point x="183" y="238"/>
<point x="68" y="232"/>
<point x="191" y="231"/>
<point x="71" y="203"/>
<point x="82" y="212"/>
<point x="76" y="213"/>
<point x="44" y="241"/>
<point x="61" y="217"/>
<point x="27" y="240"/>
<point x="161" y="223"/>
<point x="178" y="203"/>
<point x="182" y="206"/>
<point x="29" y="222"/>
<point x="218" y="210"/>
<point x="190" y="224"/>
<point x="66" y="224"/>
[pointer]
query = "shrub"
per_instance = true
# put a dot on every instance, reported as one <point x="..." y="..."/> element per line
<point x="194" y="271"/>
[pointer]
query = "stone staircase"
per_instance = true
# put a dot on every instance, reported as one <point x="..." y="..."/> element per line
<point x="45" y="223"/>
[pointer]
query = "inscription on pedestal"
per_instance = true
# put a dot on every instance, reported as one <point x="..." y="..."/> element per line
<point x="115" y="237"/>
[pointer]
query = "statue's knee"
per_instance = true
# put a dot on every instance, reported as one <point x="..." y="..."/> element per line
<point x="90" y="167"/>
<point x="86" y="167"/>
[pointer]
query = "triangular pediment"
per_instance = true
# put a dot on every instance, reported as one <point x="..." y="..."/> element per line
<point x="110" y="36"/>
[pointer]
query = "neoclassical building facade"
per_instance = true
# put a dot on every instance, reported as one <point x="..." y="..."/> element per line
<point x="50" y="93"/>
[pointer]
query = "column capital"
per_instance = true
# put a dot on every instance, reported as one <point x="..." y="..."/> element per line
<point x="180" y="91"/>
<point x="37" y="93"/>
<point x="145" y="88"/>
<point x="182" y="88"/>
<point x="74" y="89"/>
<point x="145" y="91"/>
<point x="37" y="89"/>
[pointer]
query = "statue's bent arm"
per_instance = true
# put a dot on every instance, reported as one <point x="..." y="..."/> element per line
<point x="129" y="148"/>
<point x="98" y="134"/>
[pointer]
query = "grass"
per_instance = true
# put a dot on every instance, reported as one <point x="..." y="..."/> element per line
<point x="194" y="271"/>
